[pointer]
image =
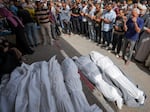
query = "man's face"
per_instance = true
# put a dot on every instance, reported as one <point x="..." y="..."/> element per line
<point x="124" y="2"/>
<point x="90" y="8"/>
<point x="97" y="8"/>
<point x="109" y="7"/>
<point x="63" y="5"/>
<point x="39" y="4"/>
<point x="134" y="13"/>
<point x="121" y="13"/>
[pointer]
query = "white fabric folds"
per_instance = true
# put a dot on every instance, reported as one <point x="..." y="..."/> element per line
<point x="62" y="97"/>
<point x="9" y="92"/>
<point x="74" y="87"/>
<point x="90" y="70"/>
<point x="114" y="73"/>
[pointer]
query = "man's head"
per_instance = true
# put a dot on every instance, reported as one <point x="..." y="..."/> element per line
<point x="109" y="6"/>
<point x="142" y="9"/>
<point x="135" y="12"/>
<point x="98" y="7"/>
<point x="143" y="2"/>
<point x="124" y="2"/>
<point x="64" y="5"/>
<point x="121" y="12"/>
<point x="90" y="6"/>
<point x="84" y="3"/>
<point x="38" y="4"/>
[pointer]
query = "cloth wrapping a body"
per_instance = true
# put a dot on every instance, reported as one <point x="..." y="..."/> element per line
<point x="62" y="98"/>
<point x="8" y="92"/>
<point x="74" y="87"/>
<point x="28" y="90"/>
<point x="47" y="95"/>
<point x="90" y="70"/>
<point x="34" y="92"/>
<point x="114" y="73"/>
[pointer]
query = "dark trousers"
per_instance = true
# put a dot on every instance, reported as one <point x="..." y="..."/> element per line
<point x="53" y="30"/>
<point x="98" y="34"/>
<point x="67" y="28"/>
<point x="107" y="36"/>
<point x="76" y="25"/>
<point x="21" y="40"/>
<point x="85" y="28"/>
<point x="117" y="42"/>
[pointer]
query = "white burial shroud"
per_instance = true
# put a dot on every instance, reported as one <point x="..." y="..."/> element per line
<point x="28" y="90"/>
<point x="74" y="87"/>
<point x="107" y="66"/>
<point x="90" y="70"/>
<point x="35" y="90"/>
<point x="61" y="95"/>
<point x="9" y="91"/>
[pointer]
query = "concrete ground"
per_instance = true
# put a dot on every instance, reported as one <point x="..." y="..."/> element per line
<point x="76" y="45"/>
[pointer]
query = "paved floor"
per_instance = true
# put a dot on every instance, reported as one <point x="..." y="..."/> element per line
<point x="76" y="45"/>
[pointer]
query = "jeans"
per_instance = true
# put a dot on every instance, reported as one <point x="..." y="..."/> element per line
<point x="91" y="31"/>
<point x="84" y="28"/>
<point x="98" y="33"/>
<point x="67" y="28"/>
<point x="31" y="32"/>
<point x="127" y="48"/>
<point x="53" y="30"/>
<point x="107" y="36"/>
<point x="117" y="42"/>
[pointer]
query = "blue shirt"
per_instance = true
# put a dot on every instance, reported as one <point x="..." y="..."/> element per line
<point x="111" y="16"/>
<point x="65" y="14"/>
<point x="14" y="9"/>
<point x="131" y="33"/>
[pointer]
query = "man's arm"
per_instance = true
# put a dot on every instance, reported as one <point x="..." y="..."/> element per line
<point x="137" y="28"/>
<point x="124" y="24"/>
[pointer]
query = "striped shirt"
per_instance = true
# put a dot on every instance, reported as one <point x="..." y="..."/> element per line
<point x="42" y="15"/>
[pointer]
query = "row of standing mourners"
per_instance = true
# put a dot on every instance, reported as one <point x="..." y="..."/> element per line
<point x="119" y="27"/>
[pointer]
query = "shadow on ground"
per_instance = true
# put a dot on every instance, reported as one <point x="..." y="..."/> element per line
<point x="141" y="66"/>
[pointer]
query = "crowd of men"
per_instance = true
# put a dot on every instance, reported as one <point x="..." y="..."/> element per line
<point x="117" y="26"/>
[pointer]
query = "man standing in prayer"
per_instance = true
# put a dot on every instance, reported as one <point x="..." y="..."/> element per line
<point x="132" y="27"/>
<point x="108" y="20"/>
<point x="42" y="15"/>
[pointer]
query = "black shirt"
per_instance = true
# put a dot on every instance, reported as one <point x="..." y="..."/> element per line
<point x="25" y="16"/>
<point x="76" y="10"/>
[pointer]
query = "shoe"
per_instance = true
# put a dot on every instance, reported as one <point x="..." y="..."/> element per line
<point x="30" y="52"/>
<point x="99" y="42"/>
<point x="117" y="56"/>
<point x="120" y="57"/>
<point x="69" y="33"/>
<point x="125" y="58"/>
<point x="51" y="43"/>
<point x="103" y="45"/>
<point x="56" y="38"/>
<point x="31" y="46"/>
<point x="84" y="37"/>
<point x="127" y="62"/>
<point x="107" y="48"/>
<point x="89" y="40"/>
<point x="112" y="51"/>
<point x="44" y="43"/>
<point x="109" y="51"/>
